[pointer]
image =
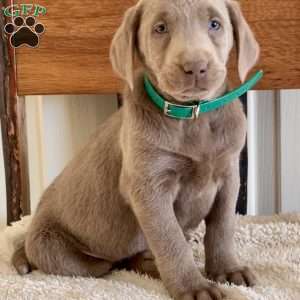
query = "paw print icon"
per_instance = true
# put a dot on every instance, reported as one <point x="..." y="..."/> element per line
<point x="24" y="32"/>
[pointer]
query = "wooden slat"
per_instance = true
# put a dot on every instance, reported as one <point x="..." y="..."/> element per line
<point x="73" y="54"/>
<point x="23" y="157"/>
<point x="12" y="116"/>
<point x="289" y="151"/>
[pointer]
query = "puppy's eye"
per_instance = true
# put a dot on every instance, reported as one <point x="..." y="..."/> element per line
<point x="214" y="25"/>
<point x="161" y="28"/>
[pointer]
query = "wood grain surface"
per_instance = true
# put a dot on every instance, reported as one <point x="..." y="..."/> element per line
<point x="73" y="54"/>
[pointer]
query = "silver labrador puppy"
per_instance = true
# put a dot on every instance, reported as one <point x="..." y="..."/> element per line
<point x="129" y="198"/>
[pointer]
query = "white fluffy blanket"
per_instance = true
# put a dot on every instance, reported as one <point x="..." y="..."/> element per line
<point x="271" y="245"/>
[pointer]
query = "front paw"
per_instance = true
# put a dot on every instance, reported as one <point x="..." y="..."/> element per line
<point x="209" y="292"/>
<point x="239" y="276"/>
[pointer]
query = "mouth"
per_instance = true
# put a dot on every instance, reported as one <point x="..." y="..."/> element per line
<point x="193" y="94"/>
<point x="183" y="91"/>
<point x="194" y="90"/>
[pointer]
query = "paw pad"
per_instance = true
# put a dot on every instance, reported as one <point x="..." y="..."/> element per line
<point x="24" y="32"/>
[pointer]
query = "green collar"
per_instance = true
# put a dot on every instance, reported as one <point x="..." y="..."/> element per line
<point x="193" y="110"/>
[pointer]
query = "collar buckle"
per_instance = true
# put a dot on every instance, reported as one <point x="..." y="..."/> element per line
<point x="194" y="113"/>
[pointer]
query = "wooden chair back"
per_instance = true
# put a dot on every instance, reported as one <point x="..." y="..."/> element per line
<point x="73" y="54"/>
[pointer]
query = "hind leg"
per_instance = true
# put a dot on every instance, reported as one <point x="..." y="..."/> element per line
<point x="143" y="263"/>
<point x="54" y="252"/>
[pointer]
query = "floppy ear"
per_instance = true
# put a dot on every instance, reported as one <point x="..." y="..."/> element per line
<point x="248" y="48"/>
<point x="123" y="47"/>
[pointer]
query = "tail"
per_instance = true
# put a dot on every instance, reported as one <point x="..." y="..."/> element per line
<point x="20" y="261"/>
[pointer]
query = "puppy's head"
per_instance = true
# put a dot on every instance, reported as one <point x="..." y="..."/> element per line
<point x="184" y="45"/>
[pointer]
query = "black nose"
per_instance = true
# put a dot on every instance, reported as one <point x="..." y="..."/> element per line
<point x="196" y="68"/>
